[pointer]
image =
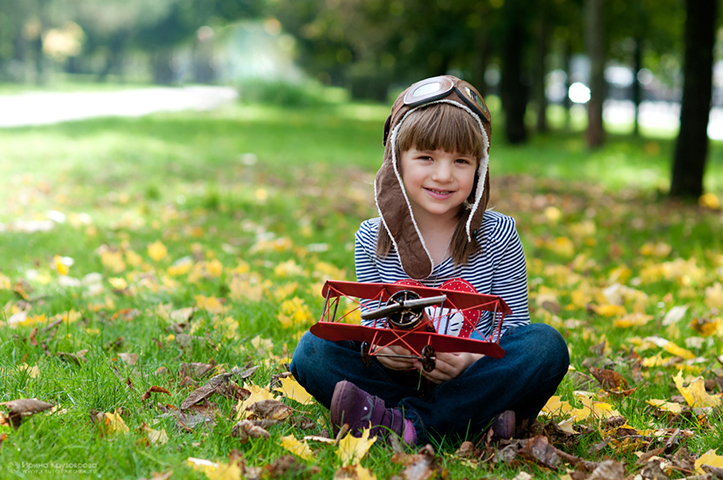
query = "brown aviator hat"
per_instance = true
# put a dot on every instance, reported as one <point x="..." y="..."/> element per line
<point x="391" y="197"/>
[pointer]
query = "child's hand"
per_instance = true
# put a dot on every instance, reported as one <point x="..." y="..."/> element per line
<point x="448" y="366"/>
<point x="393" y="363"/>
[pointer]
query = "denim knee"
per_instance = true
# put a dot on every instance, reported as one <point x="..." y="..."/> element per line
<point x="555" y="347"/>
<point x="304" y="353"/>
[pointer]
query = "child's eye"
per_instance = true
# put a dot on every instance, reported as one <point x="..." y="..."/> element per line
<point x="463" y="161"/>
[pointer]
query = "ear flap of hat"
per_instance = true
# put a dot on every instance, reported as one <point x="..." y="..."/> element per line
<point x="397" y="219"/>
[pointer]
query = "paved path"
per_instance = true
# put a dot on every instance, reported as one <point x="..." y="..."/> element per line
<point x="44" y="108"/>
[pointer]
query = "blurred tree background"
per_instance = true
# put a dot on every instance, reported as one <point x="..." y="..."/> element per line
<point x="529" y="54"/>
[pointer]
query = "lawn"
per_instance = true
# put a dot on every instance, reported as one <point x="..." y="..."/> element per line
<point x="160" y="251"/>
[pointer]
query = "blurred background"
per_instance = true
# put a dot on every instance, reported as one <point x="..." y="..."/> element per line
<point x="615" y="64"/>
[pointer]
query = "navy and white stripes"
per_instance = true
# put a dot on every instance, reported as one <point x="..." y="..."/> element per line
<point x="498" y="268"/>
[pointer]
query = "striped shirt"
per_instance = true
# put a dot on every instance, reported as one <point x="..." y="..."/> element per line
<point x="498" y="268"/>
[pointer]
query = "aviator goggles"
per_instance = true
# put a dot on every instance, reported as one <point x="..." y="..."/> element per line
<point x="435" y="88"/>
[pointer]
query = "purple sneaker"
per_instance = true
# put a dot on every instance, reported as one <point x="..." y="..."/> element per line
<point x="503" y="425"/>
<point x="359" y="410"/>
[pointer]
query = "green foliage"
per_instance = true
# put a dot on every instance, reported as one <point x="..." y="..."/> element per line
<point x="285" y="93"/>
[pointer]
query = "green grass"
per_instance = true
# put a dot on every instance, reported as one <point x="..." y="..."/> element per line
<point x="212" y="186"/>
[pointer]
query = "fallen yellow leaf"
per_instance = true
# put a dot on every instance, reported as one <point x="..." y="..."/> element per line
<point x="257" y="394"/>
<point x="114" y="423"/>
<point x="215" y="471"/>
<point x="681" y="352"/>
<point x="60" y="265"/>
<point x="214" y="268"/>
<point x="112" y="261"/>
<point x="293" y="390"/>
<point x="354" y="472"/>
<point x="714" y="296"/>
<point x="210" y="304"/>
<point x="133" y="258"/>
<point x="300" y="449"/>
<point x="352" y="449"/>
<point x="709" y="200"/>
<point x="710" y="458"/>
<point x="5" y="282"/>
<point x="610" y="310"/>
<point x="632" y="320"/>
<point x="671" y="407"/>
<point x="157" y="251"/>
<point x="118" y="283"/>
<point x="294" y="312"/>
<point x="695" y="394"/>
<point x="288" y="268"/>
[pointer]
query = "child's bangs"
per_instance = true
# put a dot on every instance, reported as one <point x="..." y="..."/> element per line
<point x="441" y="127"/>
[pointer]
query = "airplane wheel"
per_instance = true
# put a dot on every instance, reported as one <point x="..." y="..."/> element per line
<point x="428" y="359"/>
<point x="365" y="357"/>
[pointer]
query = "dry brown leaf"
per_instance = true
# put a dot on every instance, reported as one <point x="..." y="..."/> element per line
<point x="127" y="314"/>
<point x="653" y="471"/>
<point x="233" y="391"/>
<point x="246" y="373"/>
<point x="302" y="422"/>
<point x="272" y="409"/>
<point x="246" y="429"/>
<point x="178" y="327"/>
<point x="353" y="472"/>
<point x="24" y="407"/>
<point x="198" y="395"/>
<point x="195" y="370"/>
<point x="153" y="389"/>
<point x="467" y="450"/>
<point x="129" y="358"/>
<point x="422" y="466"/>
<point x="76" y="358"/>
<point x="33" y="341"/>
<point x="609" y="379"/>
<point x="115" y="344"/>
<point x="288" y="466"/>
<point x="22" y="289"/>
<point x="608" y="470"/>
<point x="189" y="420"/>
<point x="539" y="450"/>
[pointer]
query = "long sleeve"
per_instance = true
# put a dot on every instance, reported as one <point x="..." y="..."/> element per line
<point x="509" y="275"/>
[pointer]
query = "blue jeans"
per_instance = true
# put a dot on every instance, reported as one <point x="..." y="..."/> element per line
<point x="536" y="359"/>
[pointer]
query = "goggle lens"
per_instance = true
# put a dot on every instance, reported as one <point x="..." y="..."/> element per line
<point x="426" y="90"/>
<point x="471" y="93"/>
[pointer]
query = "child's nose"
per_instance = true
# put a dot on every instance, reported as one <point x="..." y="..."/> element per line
<point x="443" y="172"/>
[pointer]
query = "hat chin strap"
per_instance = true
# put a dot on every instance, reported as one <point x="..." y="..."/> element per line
<point x="409" y="259"/>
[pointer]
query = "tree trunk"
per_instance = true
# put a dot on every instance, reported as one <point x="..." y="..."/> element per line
<point x="161" y="63"/>
<point x="692" y="146"/>
<point x="543" y="29"/>
<point x="637" y="89"/>
<point x="512" y="88"/>
<point x="596" y="53"/>
<point x="568" y="81"/>
<point x="480" y="64"/>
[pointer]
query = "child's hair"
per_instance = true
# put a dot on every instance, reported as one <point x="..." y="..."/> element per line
<point x="441" y="126"/>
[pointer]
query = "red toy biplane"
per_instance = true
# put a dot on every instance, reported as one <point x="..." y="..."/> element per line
<point x="401" y="316"/>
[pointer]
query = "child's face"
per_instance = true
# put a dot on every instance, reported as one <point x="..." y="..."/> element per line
<point x="437" y="182"/>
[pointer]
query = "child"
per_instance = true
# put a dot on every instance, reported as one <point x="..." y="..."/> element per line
<point x="433" y="227"/>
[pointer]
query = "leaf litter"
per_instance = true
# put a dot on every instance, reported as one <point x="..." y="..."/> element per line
<point x="609" y="298"/>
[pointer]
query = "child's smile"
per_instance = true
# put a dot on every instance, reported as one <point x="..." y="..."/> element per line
<point x="437" y="182"/>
